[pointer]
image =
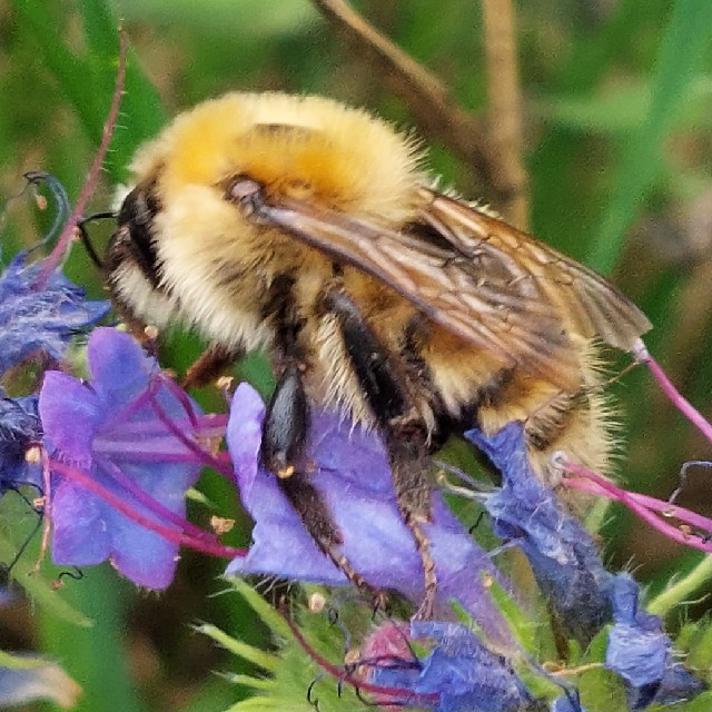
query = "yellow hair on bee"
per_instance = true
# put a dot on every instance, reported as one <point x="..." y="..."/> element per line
<point x="345" y="157"/>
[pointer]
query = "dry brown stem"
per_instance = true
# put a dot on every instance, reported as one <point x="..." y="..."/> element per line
<point x="505" y="107"/>
<point x="432" y="107"/>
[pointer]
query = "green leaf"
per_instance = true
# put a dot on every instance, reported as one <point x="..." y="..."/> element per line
<point x="248" y="652"/>
<point x="70" y="70"/>
<point x="682" y="589"/>
<point x="700" y="649"/>
<point x="17" y="522"/>
<point x="97" y="657"/>
<point x="256" y="683"/>
<point x="88" y="82"/>
<point x="292" y="670"/>
<point x="257" y="704"/>
<point x="679" y="58"/>
<point x="267" y="613"/>
<point x="614" y="112"/>
<point x="528" y="629"/>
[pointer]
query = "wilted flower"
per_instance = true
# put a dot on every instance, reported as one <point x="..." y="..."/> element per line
<point x="459" y="670"/>
<point x="40" y="320"/>
<point x="569" y="571"/>
<point x="563" y="556"/>
<point x="351" y="472"/>
<point x="641" y="653"/>
<point x="19" y="429"/>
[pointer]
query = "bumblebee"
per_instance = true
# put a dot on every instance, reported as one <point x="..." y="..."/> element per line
<point x="311" y="230"/>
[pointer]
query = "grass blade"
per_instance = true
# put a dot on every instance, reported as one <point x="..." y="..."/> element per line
<point x="679" y="58"/>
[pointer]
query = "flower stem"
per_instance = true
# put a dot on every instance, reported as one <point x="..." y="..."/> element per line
<point x="673" y="595"/>
<point x="70" y="227"/>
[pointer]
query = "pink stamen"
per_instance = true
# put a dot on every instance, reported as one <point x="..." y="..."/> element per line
<point x="142" y="399"/>
<point x="153" y="505"/>
<point x="651" y="510"/>
<point x="182" y="397"/>
<point x="70" y="227"/>
<point x="211" y="425"/>
<point x="212" y="548"/>
<point x="207" y="457"/>
<point x="674" y="396"/>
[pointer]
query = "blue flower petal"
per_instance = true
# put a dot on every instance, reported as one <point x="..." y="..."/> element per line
<point x="562" y="554"/>
<point x="40" y="320"/>
<point x="119" y="370"/>
<point x="98" y="427"/>
<point x="19" y="429"/>
<point x="641" y="653"/>
<point x="566" y="704"/>
<point x="353" y="476"/>
<point x="466" y="676"/>
<point x="71" y="413"/>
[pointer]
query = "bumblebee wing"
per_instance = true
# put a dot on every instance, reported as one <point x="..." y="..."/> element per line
<point x="483" y="297"/>
<point x="588" y="304"/>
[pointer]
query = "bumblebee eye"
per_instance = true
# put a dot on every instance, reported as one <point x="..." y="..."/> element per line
<point x="247" y="193"/>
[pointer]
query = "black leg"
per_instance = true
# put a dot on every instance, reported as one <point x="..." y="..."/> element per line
<point x="284" y="438"/>
<point x="286" y="425"/>
<point x="389" y="395"/>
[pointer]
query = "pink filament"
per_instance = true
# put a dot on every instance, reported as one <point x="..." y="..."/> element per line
<point x="673" y="395"/>
<point x="152" y="504"/>
<point x="340" y="673"/>
<point x="651" y="510"/>
<point x="212" y="548"/>
<point x="70" y="227"/>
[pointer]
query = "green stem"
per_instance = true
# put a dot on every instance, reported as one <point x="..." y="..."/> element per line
<point x="673" y="595"/>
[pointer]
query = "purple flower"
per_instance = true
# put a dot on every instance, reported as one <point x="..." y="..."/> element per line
<point x="641" y="653"/>
<point x="40" y="320"/>
<point x="111" y="431"/>
<point x="569" y="571"/>
<point x="352" y="475"/>
<point x="562" y="554"/>
<point x="19" y="429"/>
<point x="460" y="670"/>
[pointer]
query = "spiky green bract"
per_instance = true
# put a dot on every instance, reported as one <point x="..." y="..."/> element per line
<point x="290" y="679"/>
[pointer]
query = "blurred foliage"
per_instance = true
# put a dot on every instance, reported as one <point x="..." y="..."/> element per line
<point x="619" y="148"/>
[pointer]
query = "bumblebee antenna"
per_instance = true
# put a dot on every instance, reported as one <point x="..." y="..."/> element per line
<point x="85" y="236"/>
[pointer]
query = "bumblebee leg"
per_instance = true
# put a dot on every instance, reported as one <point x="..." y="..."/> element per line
<point x="209" y="365"/>
<point x="385" y="386"/>
<point x="283" y="453"/>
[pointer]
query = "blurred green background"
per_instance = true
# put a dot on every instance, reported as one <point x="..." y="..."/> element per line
<point x="618" y="118"/>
